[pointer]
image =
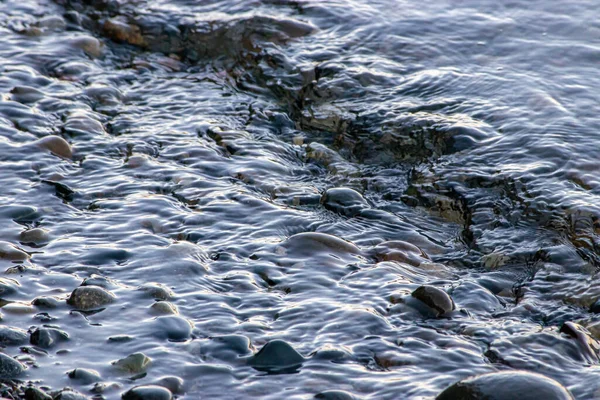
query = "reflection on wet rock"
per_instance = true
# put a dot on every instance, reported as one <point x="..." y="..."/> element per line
<point x="147" y="392"/>
<point x="506" y="385"/>
<point x="173" y="383"/>
<point x="9" y="367"/>
<point x="164" y="308"/>
<point x="36" y="236"/>
<point x="436" y="299"/>
<point x="90" y="297"/>
<point x="133" y="363"/>
<point x="589" y="346"/>
<point x="156" y="291"/>
<point x="400" y="251"/>
<point x="276" y="356"/>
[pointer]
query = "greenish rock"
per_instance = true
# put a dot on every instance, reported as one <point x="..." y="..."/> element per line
<point x="277" y="356"/>
<point x="90" y="297"/>
<point x="9" y="367"/>
<point x="506" y="385"/>
<point x="133" y="363"/>
<point x="164" y="308"/>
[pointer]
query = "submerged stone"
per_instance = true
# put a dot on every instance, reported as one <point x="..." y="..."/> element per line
<point x="45" y="302"/>
<point x="70" y="394"/>
<point x="56" y="145"/>
<point x="172" y="327"/>
<point x="157" y="291"/>
<point x="309" y="243"/>
<point x="344" y="201"/>
<point x="276" y="356"/>
<point x="9" y="367"/>
<point x="588" y="345"/>
<point x="506" y="385"/>
<point x="10" y="252"/>
<point x="334" y="395"/>
<point x="84" y="375"/>
<point x="90" y="297"/>
<point x="133" y="363"/>
<point x="173" y="383"/>
<point x="436" y="299"/>
<point x="164" y="308"/>
<point x="147" y="392"/>
<point x="400" y="251"/>
<point x="47" y="337"/>
<point x="36" y="236"/>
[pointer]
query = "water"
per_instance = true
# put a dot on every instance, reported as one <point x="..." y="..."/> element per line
<point x="205" y="138"/>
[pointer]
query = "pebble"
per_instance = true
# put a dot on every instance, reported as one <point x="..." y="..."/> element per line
<point x="173" y="383"/>
<point x="26" y="94"/>
<point x="45" y="302"/>
<point x="164" y="308"/>
<point x="172" y="327"/>
<point x="47" y="337"/>
<point x="436" y="299"/>
<point x="506" y="385"/>
<point x="157" y="291"/>
<point x="9" y="367"/>
<point x="10" y="336"/>
<point x="147" y="392"/>
<point x="18" y="308"/>
<point x="33" y="393"/>
<point x="84" y="375"/>
<point x="37" y="236"/>
<point x="400" y="251"/>
<point x="344" y="201"/>
<point x="90" y="297"/>
<point x="276" y="356"/>
<point x="10" y="252"/>
<point x="56" y="145"/>
<point x="334" y="395"/>
<point x="133" y="363"/>
<point x="69" y="394"/>
<point x="90" y="46"/>
<point x="308" y="243"/>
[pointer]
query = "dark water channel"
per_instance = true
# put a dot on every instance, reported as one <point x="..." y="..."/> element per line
<point x="298" y="199"/>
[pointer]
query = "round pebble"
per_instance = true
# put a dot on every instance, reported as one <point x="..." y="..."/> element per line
<point x="56" y="145"/>
<point x="90" y="297"/>
<point x="9" y="367"/>
<point x="436" y="299"/>
<point x="276" y="356"/>
<point x="147" y="392"/>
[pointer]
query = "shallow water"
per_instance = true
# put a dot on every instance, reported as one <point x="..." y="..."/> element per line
<point x="206" y="140"/>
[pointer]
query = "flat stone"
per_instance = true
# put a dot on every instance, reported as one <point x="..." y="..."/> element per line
<point x="10" y="252"/>
<point x="47" y="337"/>
<point x="36" y="236"/>
<point x="10" y="336"/>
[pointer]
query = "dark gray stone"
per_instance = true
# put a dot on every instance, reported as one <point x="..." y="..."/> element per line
<point x="277" y="356"/>
<point x="147" y="392"/>
<point x="436" y="299"/>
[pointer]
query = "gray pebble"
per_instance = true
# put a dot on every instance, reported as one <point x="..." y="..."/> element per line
<point x="9" y="367"/>
<point x="147" y="392"/>
<point x="90" y="297"/>
<point x="436" y="299"/>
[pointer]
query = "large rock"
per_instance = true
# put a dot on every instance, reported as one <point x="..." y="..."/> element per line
<point x="9" y="367"/>
<point x="90" y="297"/>
<point x="506" y="385"/>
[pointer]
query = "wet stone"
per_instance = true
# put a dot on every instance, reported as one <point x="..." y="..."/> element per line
<point x="588" y="345"/>
<point x="37" y="236"/>
<point x="276" y="356"/>
<point x="33" y="393"/>
<point x="45" y="302"/>
<point x="436" y="299"/>
<point x="400" y="251"/>
<point x="507" y="385"/>
<point x="164" y="308"/>
<point x="344" y="201"/>
<point x="157" y="291"/>
<point x="7" y="286"/>
<point x="90" y="297"/>
<point x="69" y="394"/>
<point x="97" y="280"/>
<point x="173" y="328"/>
<point x="56" y="145"/>
<point x="26" y="94"/>
<point x="10" y="252"/>
<point x="133" y="363"/>
<point x="48" y="337"/>
<point x="9" y="367"/>
<point x="147" y="392"/>
<point x="334" y="395"/>
<point x="10" y="336"/>
<point x="173" y="383"/>
<point x="595" y="307"/>
<point x="90" y="46"/>
<point x="84" y="375"/>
